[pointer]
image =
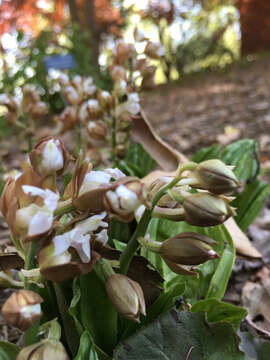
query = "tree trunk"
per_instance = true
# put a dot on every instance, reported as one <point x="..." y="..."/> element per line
<point x="95" y="35"/>
<point x="255" y="25"/>
<point x="73" y="11"/>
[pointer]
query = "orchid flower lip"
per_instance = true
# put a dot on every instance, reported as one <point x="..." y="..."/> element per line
<point x="29" y="310"/>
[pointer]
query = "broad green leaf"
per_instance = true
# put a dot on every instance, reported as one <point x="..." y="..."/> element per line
<point x="217" y="311"/>
<point x="97" y="314"/>
<point x="119" y="231"/>
<point x="254" y="348"/>
<point x="243" y="154"/>
<point x="174" y="335"/>
<point x="250" y="202"/>
<point x="206" y="153"/>
<point x="137" y="161"/>
<point x="86" y="350"/>
<point x="74" y="309"/>
<point x="8" y="351"/>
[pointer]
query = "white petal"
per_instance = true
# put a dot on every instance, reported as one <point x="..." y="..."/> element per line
<point x="102" y="237"/>
<point x="115" y="173"/>
<point x="92" y="223"/>
<point x="139" y="213"/>
<point x="61" y="243"/>
<point x="99" y="177"/>
<point x="53" y="159"/>
<point x="50" y="198"/>
<point x="29" y="310"/>
<point x="129" y="200"/>
<point x="40" y="223"/>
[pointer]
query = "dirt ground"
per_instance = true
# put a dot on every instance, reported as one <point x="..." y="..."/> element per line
<point x="214" y="108"/>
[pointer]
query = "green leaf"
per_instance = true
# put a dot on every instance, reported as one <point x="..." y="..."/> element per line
<point x="250" y="202"/>
<point x="119" y="231"/>
<point x="137" y="161"/>
<point x="243" y="154"/>
<point x="217" y="311"/>
<point x="98" y="316"/>
<point x="8" y="351"/>
<point x="176" y="334"/>
<point x="74" y="308"/>
<point x="86" y="350"/>
<point x="254" y="348"/>
<point x="207" y="153"/>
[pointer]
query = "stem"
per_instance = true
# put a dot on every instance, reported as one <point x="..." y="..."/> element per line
<point x="113" y="140"/>
<point x="78" y="140"/>
<point x="63" y="208"/>
<point x="30" y="336"/>
<point x="107" y="268"/>
<point x="151" y="245"/>
<point x="133" y="244"/>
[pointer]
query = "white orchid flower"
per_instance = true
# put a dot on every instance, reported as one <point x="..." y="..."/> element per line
<point x="35" y="219"/>
<point x="93" y="180"/>
<point x="115" y="173"/>
<point x="79" y="237"/>
<point x="53" y="158"/>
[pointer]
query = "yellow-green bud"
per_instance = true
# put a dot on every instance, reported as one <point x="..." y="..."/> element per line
<point x="204" y="209"/>
<point x="126" y="296"/>
<point x="188" y="248"/>
<point x="215" y="176"/>
<point x="44" y="350"/>
<point x="22" y="308"/>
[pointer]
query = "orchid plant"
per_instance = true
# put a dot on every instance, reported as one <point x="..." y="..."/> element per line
<point x="65" y="233"/>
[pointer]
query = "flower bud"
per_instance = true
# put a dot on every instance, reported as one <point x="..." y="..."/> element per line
<point x="88" y="86"/>
<point x="213" y="175"/>
<point x="154" y="50"/>
<point x="93" y="109"/>
<point x="97" y="130"/>
<point x="71" y="95"/>
<point x="188" y="248"/>
<point x="126" y="296"/>
<point x="120" y="150"/>
<point x="118" y="73"/>
<point x="38" y="109"/>
<point x="68" y="118"/>
<point x="106" y="100"/>
<point x="123" y="51"/>
<point x="125" y="196"/>
<point x="204" y="209"/>
<point x="139" y="35"/>
<point x="44" y="350"/>
<point x="49" y="157"/>
<point x="7" y="196"/>
<point x="22" y="308"/>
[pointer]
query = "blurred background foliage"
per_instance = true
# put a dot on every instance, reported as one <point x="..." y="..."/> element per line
<point x="198" y="35"/>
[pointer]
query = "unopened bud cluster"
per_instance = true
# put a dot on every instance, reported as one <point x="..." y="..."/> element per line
<point x="29" y="108"/>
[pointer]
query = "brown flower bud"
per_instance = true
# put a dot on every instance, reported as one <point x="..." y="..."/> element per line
<point x="126" y="296"/>
<point x="7" y="196"/>
<point x="123" y="51"/>
<point x="22" y="308"/>
<point x="106" y="100"/>
<point x="118" y="73"/>
<point x="120" y="150"/>
<point x="124" y="197"/>
<point x="44" y="350"/>
<point x="154" y="50"/>
<point x="97" y="130"/>
<point x="49" y="157"/>
<point x="188" y="248"/>
<point x="215" y="176"/>
<point x="204" y="209"/>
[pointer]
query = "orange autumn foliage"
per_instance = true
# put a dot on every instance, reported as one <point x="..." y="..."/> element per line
<point x="32" y="16"/>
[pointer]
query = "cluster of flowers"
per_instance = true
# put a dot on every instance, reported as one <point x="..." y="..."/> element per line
<point x="72" y="228"/>
<point x="158" y="10"/>
<point x="29" y="109"/>
<point x="102" y="112"/>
